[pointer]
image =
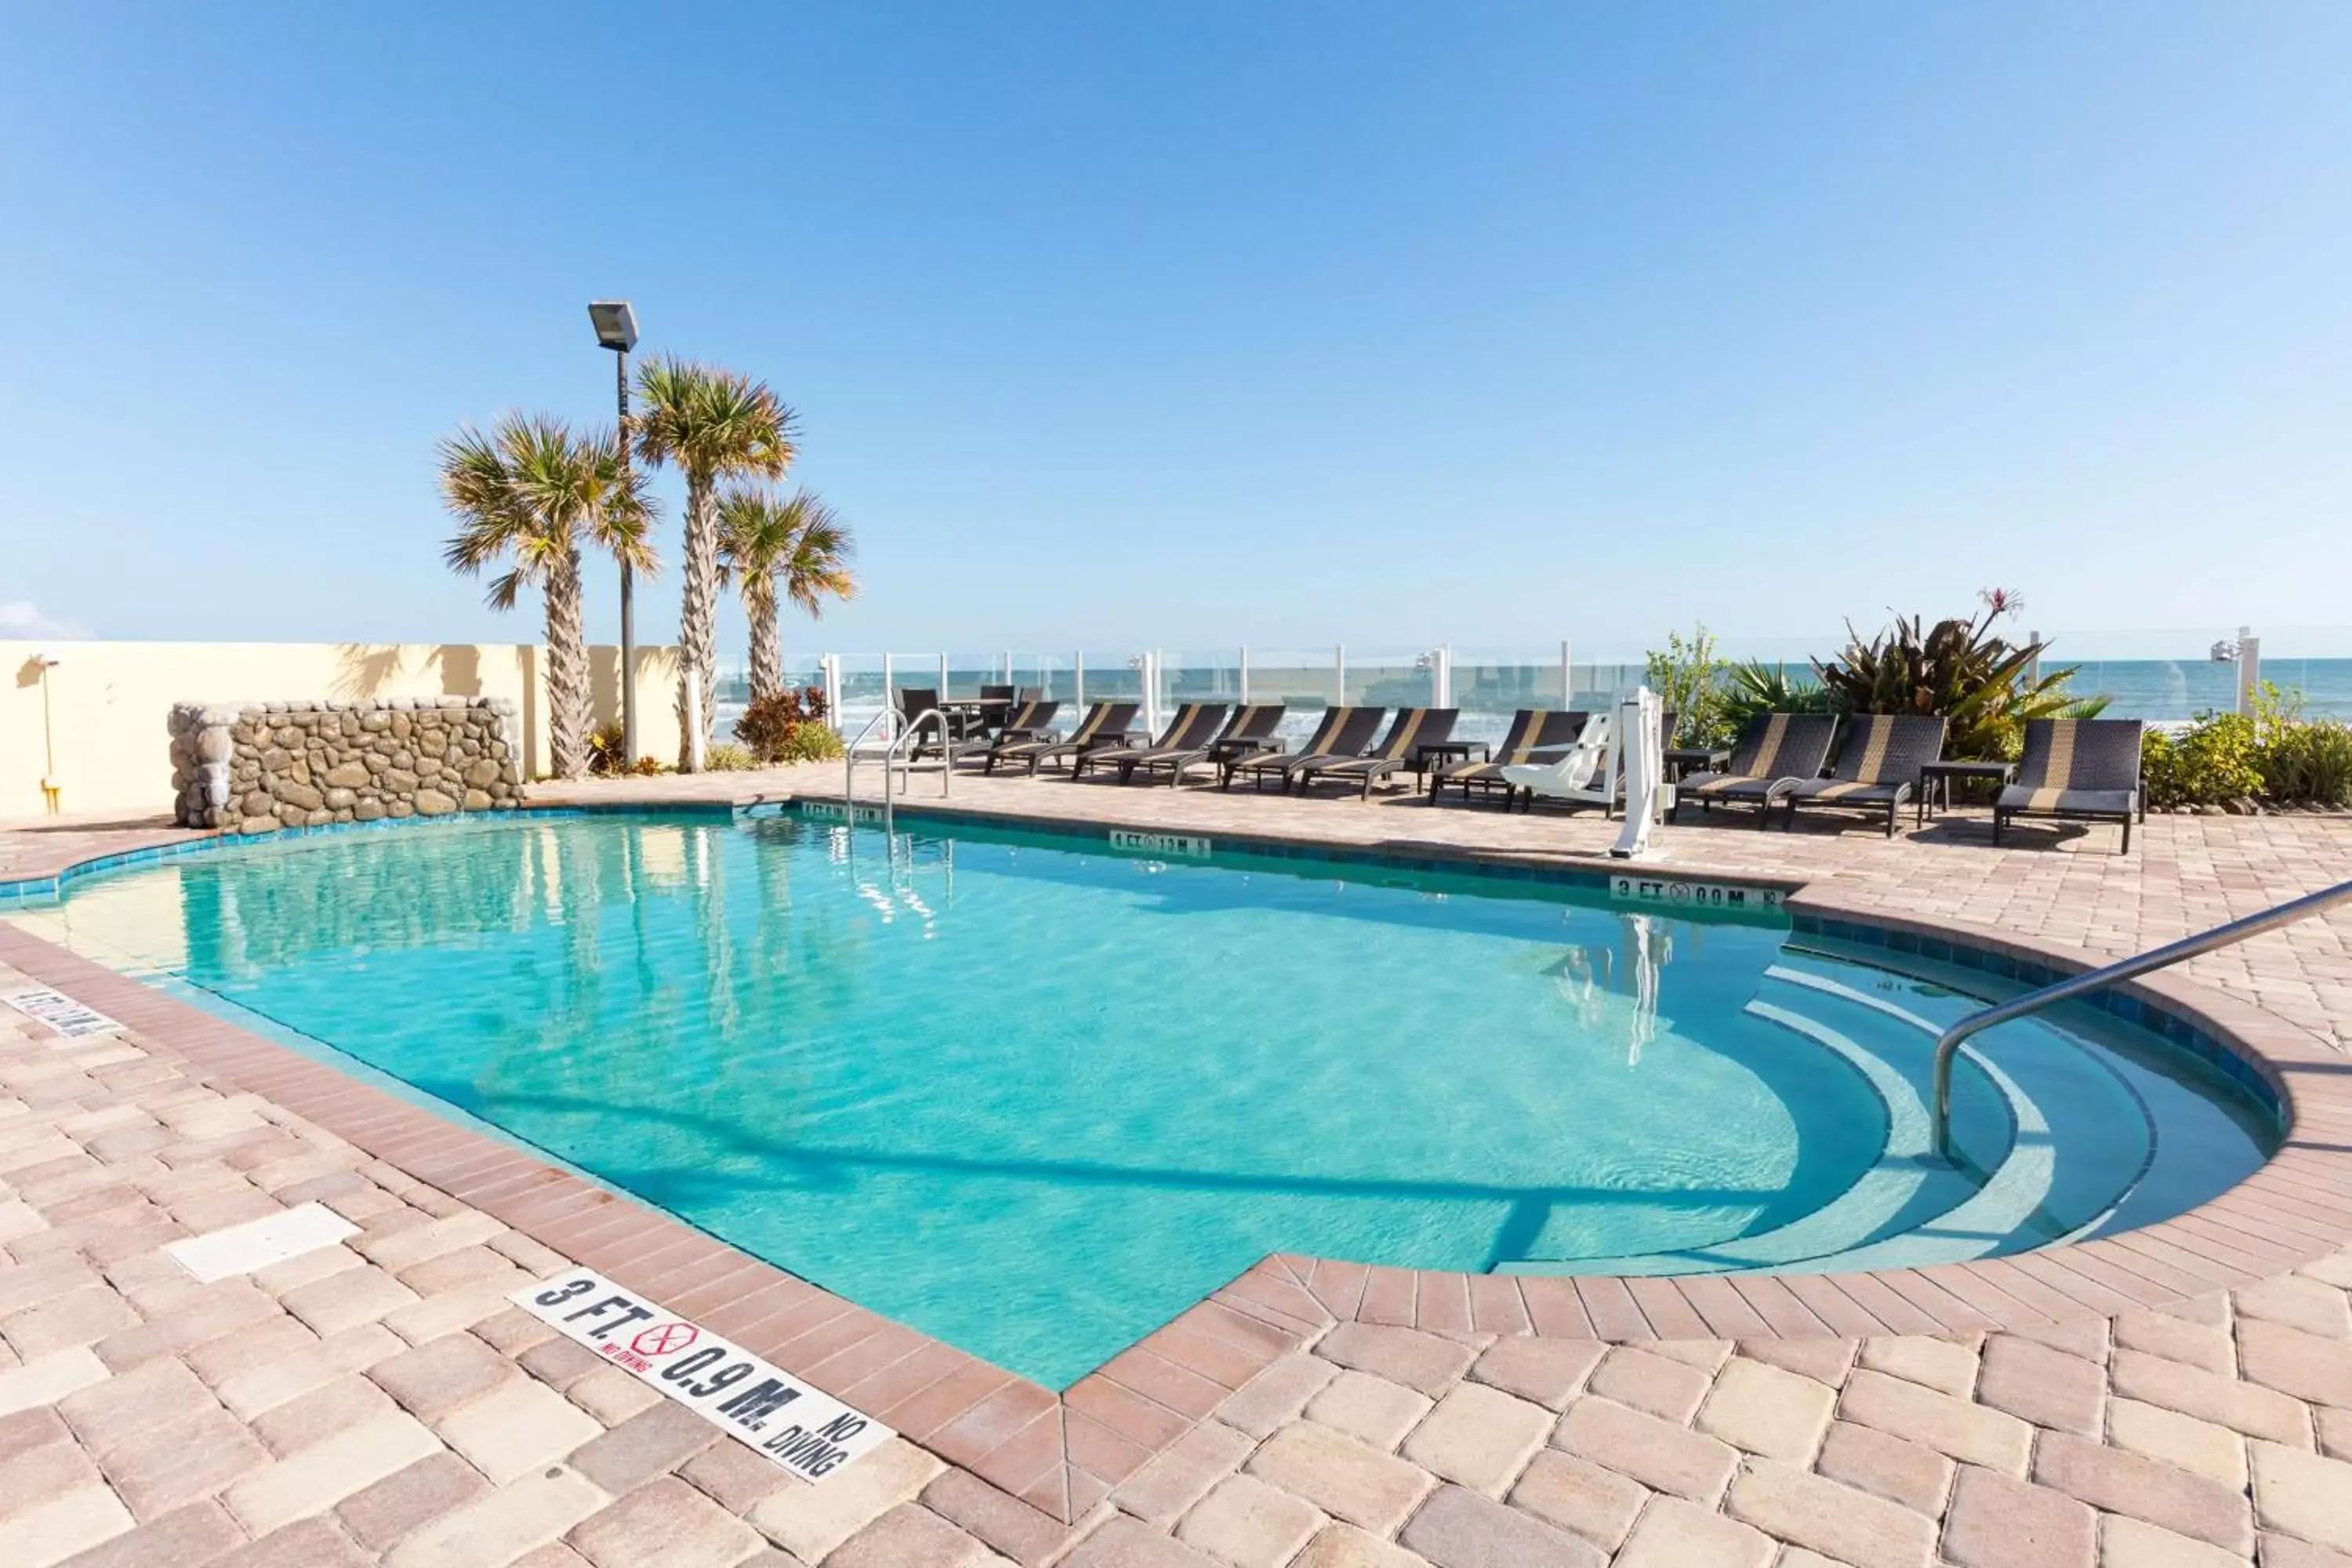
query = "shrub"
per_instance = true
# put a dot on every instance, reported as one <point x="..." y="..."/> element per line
<point x="728" y="759"/>
<point x="1685" y="675"/>
<point x="1759" y="687"/>
<point x="788" y="727"/>
<point x="2307" y="762"/>
<point x="605" y="755"/>
<point x="810" y="742"/>
<point x="2211" y="762"/>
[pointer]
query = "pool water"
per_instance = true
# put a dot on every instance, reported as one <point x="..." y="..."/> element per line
<point x="1035" y="1096"/>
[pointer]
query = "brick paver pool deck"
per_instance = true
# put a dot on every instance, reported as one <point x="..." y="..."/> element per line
<point x="2188" y="1402"/>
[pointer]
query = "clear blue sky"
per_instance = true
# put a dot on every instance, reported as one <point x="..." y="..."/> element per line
<point x="1199" y="323"/>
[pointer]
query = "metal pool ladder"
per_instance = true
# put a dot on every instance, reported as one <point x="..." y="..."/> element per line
<point x="1948" y="1043"/>
<point x="896" y="731"/>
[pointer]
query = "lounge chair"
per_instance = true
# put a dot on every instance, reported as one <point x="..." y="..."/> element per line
<point x="2077" y="770"/>
<point x="1190" y="732"/>
<point x="1877" y="767"/>
<point x="1536" y="735"/>
<point x="1345" y="735"/>
<point x="1411" y="727"/>
<point x="1776" y="752"/>
<point x="1105" y="724"/>
<point x="1569" y="777"/>
<point x="1247" y="733"/>
<point x="1028" y="721"/>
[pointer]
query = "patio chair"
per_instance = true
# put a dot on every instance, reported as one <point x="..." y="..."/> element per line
<point x="1775" y="752"/>
<point x="1411" y="727"/>
<point x="1535" y="735"/>
<point x="1027" y="722"/>
<point x="1877" y="767"/>
<point x="1570" y="777"/>
<point x="914" y="701"/>
<point x="1105" y="724"/>
<point x="1192" y="730"/>
<point x="2077" y="770"/>
<point x="1247" y="733"/>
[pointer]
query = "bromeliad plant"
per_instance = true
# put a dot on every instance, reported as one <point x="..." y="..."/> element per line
<point x="1981" y="683"/>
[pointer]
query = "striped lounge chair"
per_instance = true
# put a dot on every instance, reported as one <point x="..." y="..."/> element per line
<point x="2078" y="770"/>
<point x="1877" y="767"/>
<point x="1776" y="752"/>
<point x="1026" y="722"/>
<point x="1247" y="733"/>
<point x="1411" y="729"/>
<point x="1342" y="732"/>
<point x="1191" y="732"/>
<point x="1105" y="724"/>
<point x="1536" y="735"/>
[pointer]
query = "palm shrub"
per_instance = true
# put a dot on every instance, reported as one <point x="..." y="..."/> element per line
<point x="530" y="492"/>
<point x="1980" y="683"/>
<point x="1755" y="687"/>
<point x="712" y="426"/>
<point x="796" y="550"/>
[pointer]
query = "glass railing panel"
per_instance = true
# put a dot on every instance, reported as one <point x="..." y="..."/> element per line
<point x="1386" y="677"/>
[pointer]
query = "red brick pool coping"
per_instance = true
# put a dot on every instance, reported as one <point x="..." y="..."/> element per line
<point x="1060" y="1455"/>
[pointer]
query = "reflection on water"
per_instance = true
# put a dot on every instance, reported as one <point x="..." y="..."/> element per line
<point x="1613" y="989"/>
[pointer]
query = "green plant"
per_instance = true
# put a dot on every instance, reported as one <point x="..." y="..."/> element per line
<point x="2212" y="761"/>
<point x="1980" y="684"/>
<point x="1683" y="675"/>
<point x="788" y="726"/>
<point x="810" y="743"/>
<point x="605" y="755"/>
<point x="724" y="758"/>
<point x="711" y="424"/>
<point x="530" y="492"/>
<point x="795" y="550"/>
<point x="2303" y="761"/>
<point x="1757" y="687"/>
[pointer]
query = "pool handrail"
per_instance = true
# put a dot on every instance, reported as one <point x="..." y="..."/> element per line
<point x="889" y="717"/>
<point x="1948" y="1043"/>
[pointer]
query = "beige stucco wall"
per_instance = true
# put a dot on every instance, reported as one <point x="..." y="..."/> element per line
<point x="108" y="702"/>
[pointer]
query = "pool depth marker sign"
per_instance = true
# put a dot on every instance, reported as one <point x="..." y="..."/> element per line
<point x="1695" y="894"/>
<point x="61" y="1013"/>
<point x="1182" y="843"/>
<point x="805" y="1433"/>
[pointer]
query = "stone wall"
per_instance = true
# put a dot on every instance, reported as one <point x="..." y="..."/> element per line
<point x="255" y="767"/>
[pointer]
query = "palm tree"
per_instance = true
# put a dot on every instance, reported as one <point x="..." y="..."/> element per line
<point x="532" y="491"/>
<point x="711" y="424"/>
<point x="798" y="548"/>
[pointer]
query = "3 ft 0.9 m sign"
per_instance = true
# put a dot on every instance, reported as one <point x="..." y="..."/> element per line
<point x="805" y="1432"/>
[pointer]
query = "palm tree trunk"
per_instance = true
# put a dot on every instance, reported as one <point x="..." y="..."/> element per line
<point x="567" y="671"/>
<point x="697" y="635"/>
<point x="767" y="645"/>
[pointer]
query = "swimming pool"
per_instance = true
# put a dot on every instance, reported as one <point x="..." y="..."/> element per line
<point x="1036" y="1095"/>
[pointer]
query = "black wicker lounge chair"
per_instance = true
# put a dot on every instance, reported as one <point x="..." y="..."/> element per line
<point x="2077" y="770"/>
<point x="1411" y="727"/>
<point x="1189" y="733"/>
<point x="1535" y="735"/>
<point x="1029" y="721"/>
<point x="1105" y="724"/>
<point x="1775" y="752"/>
<point x="1877" y="767"/>
<point x="1247" y="733"/>
<point x="1327" y="741"/>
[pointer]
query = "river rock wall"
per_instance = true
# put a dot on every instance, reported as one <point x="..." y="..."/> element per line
<point x="255" y="767"/>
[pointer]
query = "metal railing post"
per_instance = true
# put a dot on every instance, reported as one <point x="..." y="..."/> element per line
<point x="1339" y="676"/>
<point x="1245" y="674"/>
<point x="2250" y="669"/>
<point x="1948" y="1045"/>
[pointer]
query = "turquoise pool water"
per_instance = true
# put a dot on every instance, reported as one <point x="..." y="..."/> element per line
<point x="1035" y="1096"/>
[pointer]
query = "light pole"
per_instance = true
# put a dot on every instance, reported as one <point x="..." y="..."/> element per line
<point x="617" y="329"/>
<point x="50" y="789"/>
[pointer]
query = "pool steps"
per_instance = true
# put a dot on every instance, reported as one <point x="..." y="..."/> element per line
<point x="1908" y="1209"/>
